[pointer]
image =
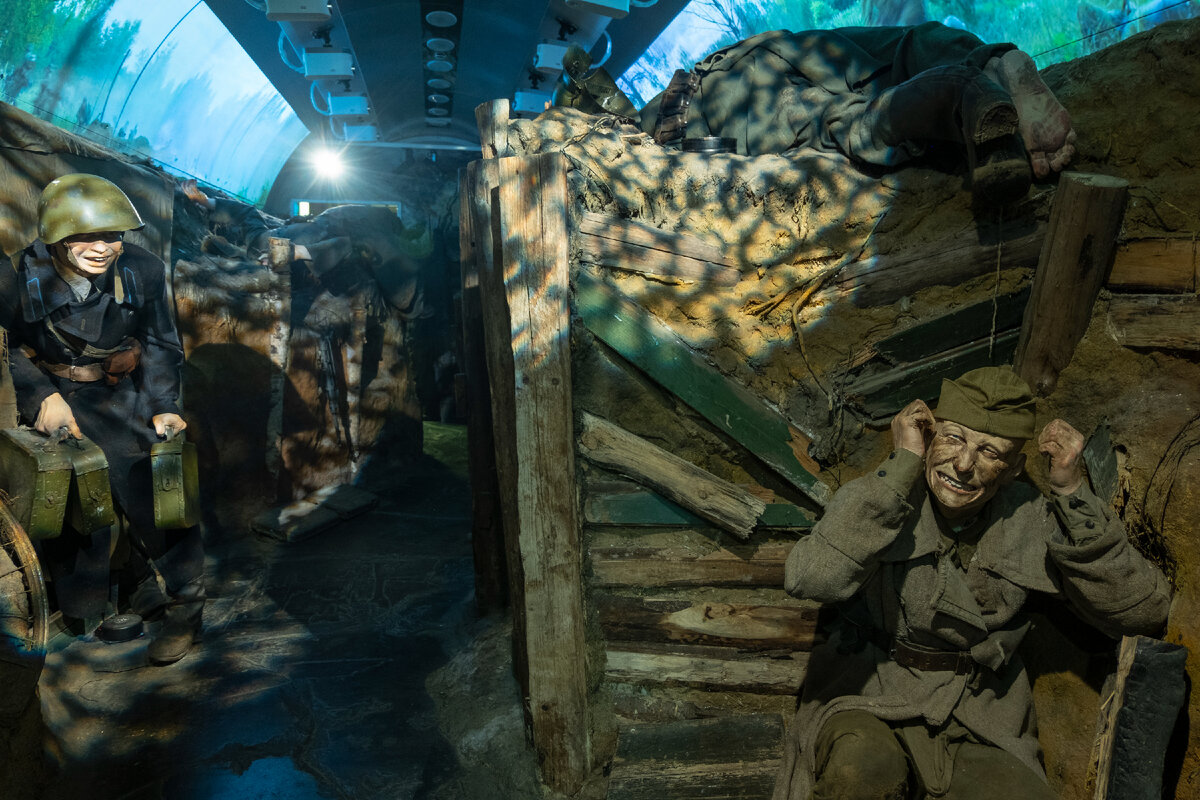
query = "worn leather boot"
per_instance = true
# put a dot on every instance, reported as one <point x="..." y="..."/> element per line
<point x="181" y="626"/>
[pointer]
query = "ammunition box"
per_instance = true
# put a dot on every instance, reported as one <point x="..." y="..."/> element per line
<point x="35" y="473"/>
<point x="90" y="503"/>
<point x="176" y="483"/>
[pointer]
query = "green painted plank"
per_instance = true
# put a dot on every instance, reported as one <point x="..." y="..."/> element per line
<point x="647" y="508"/>
<point x="882" y="395"/>
<point x="652" y="346"/>
<point x="956" y="329"/>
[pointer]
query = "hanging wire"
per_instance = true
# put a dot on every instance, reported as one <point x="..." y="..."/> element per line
<point x="117" y="122"/>
<point x="1105" y="30"/>
<point x="257" y="5"/>
<point x="607" y="49"/>
<point x="312" y="98"/>
<point x="283" y="56"/>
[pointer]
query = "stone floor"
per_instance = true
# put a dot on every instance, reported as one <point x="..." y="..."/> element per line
<point x="348" y="665"/>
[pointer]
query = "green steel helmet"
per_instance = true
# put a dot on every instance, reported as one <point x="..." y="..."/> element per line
<point x="80" y="203"/>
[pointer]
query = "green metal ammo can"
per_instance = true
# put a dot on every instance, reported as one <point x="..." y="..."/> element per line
<point x="90" y="503"/>
<point x="176" y="482"/>
<point x="35" y="473"/>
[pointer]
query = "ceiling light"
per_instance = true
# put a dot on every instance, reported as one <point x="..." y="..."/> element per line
<point x="437" y="122"/>
<point x="439" y="45"/>
<point x="439" y="64"/>
<point x="437" y="112"/>
<point x="441" y="19"/>
<point x="438" y="83"/>
<point x="439" y="98"/>
<point x="328" y="163"/>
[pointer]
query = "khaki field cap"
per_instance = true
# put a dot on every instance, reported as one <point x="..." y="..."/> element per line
<point x="991" y="400"/>
<point x="80" y="203"/>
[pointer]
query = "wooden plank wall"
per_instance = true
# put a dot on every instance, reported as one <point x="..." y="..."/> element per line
<point x="524" y="291"/>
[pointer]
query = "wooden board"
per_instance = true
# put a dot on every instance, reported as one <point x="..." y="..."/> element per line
<point x="1155" y="265"/>
<point x="1169" y="321"/>
<point x="973" y="323"/>
<point x="886" y="278"/>
<point x="487" y="533"/>
<point x="533" y="260"/>
<point x="738" y="780"/>
<point x="646" y="508"/>
<point x="881" y="395"/>
<point x="652" y="346"/>
<point x="492" y="120"/>
<point x="657" y="264"/>
<point x="662" y="566"/>
<point x="741" y="625"/>
<point x="720" y="502"/>
<point x="640" y="233"/>
<point x="1074" y="263"/>
<point x="704" y="668"/>
<point x="719" y="757"/>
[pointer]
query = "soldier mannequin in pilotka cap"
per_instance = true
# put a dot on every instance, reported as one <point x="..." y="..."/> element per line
<point x="918" y="691"/>
<point x="94" y="352"/>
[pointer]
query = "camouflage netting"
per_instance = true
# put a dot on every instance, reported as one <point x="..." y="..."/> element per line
<point x="788" y="219"/>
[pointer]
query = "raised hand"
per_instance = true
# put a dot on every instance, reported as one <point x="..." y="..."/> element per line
<point x="912" y="428"/>
<point x="1063" y="447"/>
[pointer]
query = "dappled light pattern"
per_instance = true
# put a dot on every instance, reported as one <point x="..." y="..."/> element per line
<point x="792" y="224"/>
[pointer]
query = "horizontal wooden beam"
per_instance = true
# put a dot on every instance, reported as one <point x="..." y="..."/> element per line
<point x="1155" y="265"/>
<point x="626" y="662"/>
<point x="736" y="565"/>
<point x="653" y="347"/>
<point x="654" y="264"/>
<point x="643" y="507"/>
<point x="886" y="278"/>
<point x="732" y="757"/>
<point x="970" y="324"/>
<point x="741" y="625"/>
<point x="1169" y="321"/>
<point x="718" y="501"/>
<point x="734" y="780"/>
<point x="645" y="235"/>
<point x="881" y="395"/>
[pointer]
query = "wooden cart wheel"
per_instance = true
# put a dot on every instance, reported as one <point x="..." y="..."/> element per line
<point x="24" y="606"/>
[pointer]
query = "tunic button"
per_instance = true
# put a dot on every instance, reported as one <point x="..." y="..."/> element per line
<point x="1074" y="502"/>
<point x="881" y="473"/>
<point x="1089" y="524"/>
<point x="892" y="454"/>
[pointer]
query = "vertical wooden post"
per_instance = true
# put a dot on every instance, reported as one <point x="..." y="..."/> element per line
<point x="492" y="119"/>
<point x="1077" y="255"/>
<point x="280" y="351"/>
<point x="530" y="368"/>
<point x="487" y="533"/>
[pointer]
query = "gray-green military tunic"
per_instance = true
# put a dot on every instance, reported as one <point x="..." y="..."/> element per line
<point x="781" y="90"/>
<point x="881" y="552"/>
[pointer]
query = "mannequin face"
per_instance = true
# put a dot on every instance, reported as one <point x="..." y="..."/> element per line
<point x="965" y="468"/>
<point x="91" y="254"/>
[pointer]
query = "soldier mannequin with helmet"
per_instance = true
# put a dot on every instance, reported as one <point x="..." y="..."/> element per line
<point x="94" y="352"/>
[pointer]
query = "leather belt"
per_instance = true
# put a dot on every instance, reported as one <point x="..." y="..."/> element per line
<point x="907" y="654"/>
<point x="80" y="373"/>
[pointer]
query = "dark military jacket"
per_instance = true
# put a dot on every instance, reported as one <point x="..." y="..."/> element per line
<point x="45" y="322"/>
<point x="883" y="555"/>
